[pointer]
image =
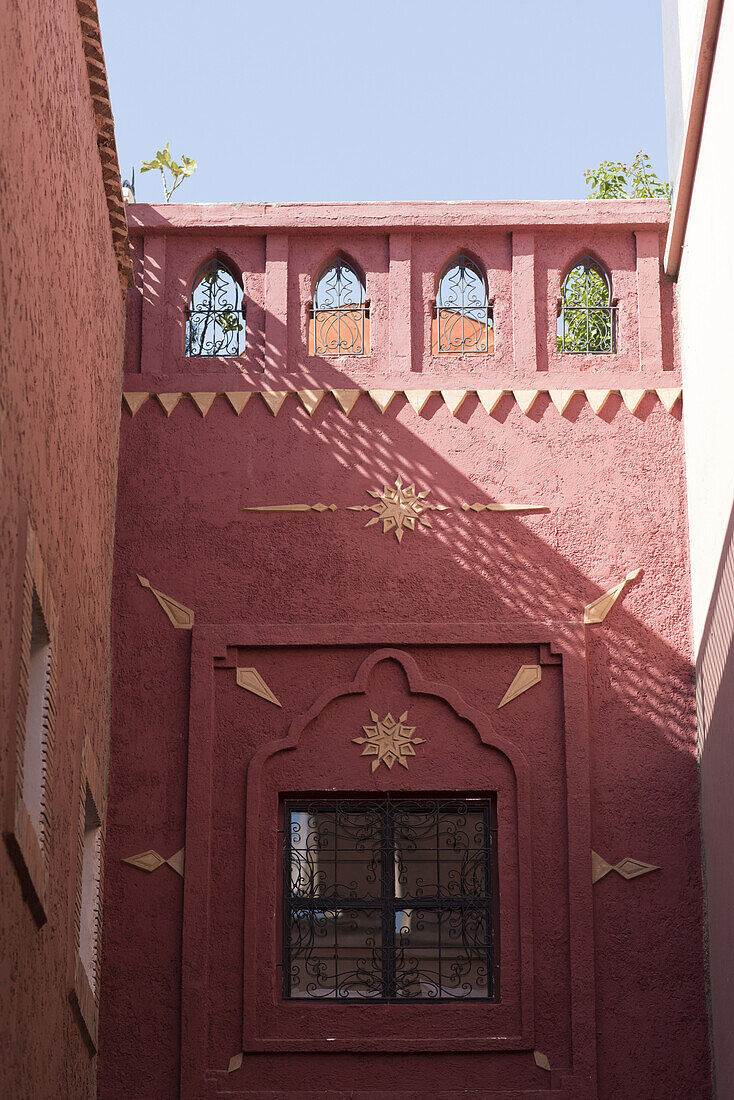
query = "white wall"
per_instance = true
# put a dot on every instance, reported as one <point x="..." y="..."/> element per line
<point x="705" y="295"/>
<point x="682" y="21"/>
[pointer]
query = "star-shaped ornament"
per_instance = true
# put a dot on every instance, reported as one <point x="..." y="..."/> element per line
<point x="390" y="741"/>
<point x="399" y="507"/>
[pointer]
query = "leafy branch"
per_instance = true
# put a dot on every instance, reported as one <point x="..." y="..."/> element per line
<point x="617" y="180"/>
<point x="164" y="163"/>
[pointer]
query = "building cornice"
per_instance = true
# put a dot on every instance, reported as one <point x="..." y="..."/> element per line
<point x="144" y="219"/>
<point x="104" y="123"/>
<point x="692" y="139"/>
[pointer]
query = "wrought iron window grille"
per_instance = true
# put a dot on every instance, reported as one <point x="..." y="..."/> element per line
<point x="464" y="311"/>
<point x="215" y="317"/>
<point x="390" y="900"/>
<point x="587" y="313"/>
<point x="339" y="312"/>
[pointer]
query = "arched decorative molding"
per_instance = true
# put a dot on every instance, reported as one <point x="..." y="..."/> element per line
<point x="502" y="1024"/>
<point x="453" y="258"/>
<point x="462" y="321"/>
<point x="578" y="258"/>
<point x="221" y="257"/>
<point x="418" y="686"/>
<point x="332" y="257"/>
<point x="339" y="318"/>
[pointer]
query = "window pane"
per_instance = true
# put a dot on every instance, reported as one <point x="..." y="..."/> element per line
<point x="388" y="900"/>
<point x="335" y="953"/>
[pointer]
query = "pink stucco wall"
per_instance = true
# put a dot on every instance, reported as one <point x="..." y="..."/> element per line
<point x="603" y="749"/>
<point x="61" y="335"/>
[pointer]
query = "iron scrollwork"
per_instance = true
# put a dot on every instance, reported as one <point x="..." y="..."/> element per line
<point x="339" y="312"/>
<point x="463" y="310"/>
<point x="215" y="319"/>
<point x="586" y="322"/>
<point x="389" y="900"/>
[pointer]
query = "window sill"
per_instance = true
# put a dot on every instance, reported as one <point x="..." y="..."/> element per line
<point x="28" y="858"/>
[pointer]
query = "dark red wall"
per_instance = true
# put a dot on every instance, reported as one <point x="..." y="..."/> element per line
<point x="605" y="980"/>
<point x="61" y="334"/>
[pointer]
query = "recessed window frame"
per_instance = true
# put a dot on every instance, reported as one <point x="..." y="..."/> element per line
<point x="236" y="310"/>
<point x="387" y="810"/>
<point x="608" y="310"/>
<point x="85" y="957"/>
<point x="28" y="827"/>
<point x="328" y="310"/>
<point x="479" y="314"/>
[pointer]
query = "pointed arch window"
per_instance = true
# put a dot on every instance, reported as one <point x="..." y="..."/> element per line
<point x="463" y="321"/>
<point x="215" y="318"/>
<point x="340" y="314"/>
<point x="586" y="311"/>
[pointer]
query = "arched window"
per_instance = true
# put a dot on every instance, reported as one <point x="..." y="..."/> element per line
<point x="215" y="319"/>
<point x="586" y="319"/>
<point x="340" y="313"/>
<point x="463" y="310"/>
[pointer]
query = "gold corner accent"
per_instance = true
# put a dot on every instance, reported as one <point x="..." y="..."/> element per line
<point x="454" y="399"/>
<point x="597" y="399"/>
<point x="382" y="398"/>
<point x="168" y="401"/>
<point x="526" y="677"/>
<point x="150" y="861"/>
<point x="346" y="399"/>
<point x="525" y="399"/>
<point x="561" y="399"/>
<point x="274" y="399"/>
<point x="238" y="399"/>
<point x="181" y="617"/>
<point x="598" y="609"/>
<point x="390" y="740"/>
<point x="628" y="868"/>
<point x="541" y="1060"/>
<point x="311" y="399"/>
<point x="418" y="398"/>
<point x="670" y="396"/>
<point x="632" y="398"/>
<point x="251" y="680"/>
<point x="203" y="401"/>
<point x="235" y="1062"/>
<point x="497" y="506"/>
<point x="135" y="401"/>
<point x="490" y="399"/>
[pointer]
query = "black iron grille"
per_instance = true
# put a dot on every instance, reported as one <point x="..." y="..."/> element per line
<point x="389" y="900"/>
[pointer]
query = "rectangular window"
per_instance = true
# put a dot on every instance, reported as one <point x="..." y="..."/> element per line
<point x="389" y="900"/>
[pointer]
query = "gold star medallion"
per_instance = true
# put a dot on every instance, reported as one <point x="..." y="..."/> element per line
<point x="399" y="507"/>
<point x="389" y="740"/>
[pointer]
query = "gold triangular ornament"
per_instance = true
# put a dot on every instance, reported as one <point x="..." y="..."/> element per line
<point x="251" y="680"/>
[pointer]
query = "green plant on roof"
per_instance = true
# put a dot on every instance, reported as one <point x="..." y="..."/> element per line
<point x="164" y="163"/>
<point x="617" y="180"/>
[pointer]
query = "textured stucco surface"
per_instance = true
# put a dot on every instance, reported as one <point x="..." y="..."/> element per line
<point x="614" y="485"/>
<point x="61" y="334"/>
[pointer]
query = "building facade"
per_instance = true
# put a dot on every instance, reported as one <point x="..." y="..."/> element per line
<point x="403" y="796"/>
<point x="65" y="262"/>
<point x="699" y="89"/>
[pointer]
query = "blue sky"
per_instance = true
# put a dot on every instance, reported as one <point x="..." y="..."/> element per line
<point x="395" y="99"/>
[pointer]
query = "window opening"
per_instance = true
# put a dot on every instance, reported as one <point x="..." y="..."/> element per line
<point x="36" y="731"/>
<point x="339" y="312"/>
<point x="215" y="319"/>
<point x="89" y="915"/>
<point x="463" y="310"/>
<point x="586" y="320"/>
<point x="389" y="900"/>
